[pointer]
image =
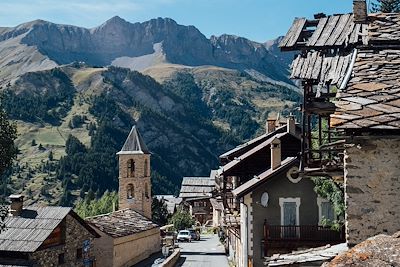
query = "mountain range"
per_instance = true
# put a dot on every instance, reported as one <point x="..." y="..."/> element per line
<point x="192" y="98"/>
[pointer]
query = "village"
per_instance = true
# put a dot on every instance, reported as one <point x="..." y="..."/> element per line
<point x="319" y="189"/>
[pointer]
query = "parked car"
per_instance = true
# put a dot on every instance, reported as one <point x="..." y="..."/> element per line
<point x="184" y="235"/>
<point x="195" y="235"/>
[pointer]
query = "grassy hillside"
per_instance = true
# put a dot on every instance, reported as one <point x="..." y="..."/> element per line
<point x="187" y="118"/>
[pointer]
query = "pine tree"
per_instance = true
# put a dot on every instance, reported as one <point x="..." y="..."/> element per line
<point x="386" y="6"/>
<point x="33" y="142"/>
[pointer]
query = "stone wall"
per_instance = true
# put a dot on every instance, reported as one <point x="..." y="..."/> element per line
<point x="132" y="249"/>
<point x="372" y="186"/>
<point x="140" y="202"/>
<point x="75" y="235"/>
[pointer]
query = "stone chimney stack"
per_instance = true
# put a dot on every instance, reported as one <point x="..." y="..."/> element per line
<point x="270" y="125"/>
<point x="17" y="204"/>
<point x="360" y="11"/>
<point x="276" y="153"/>
<point x="291" y="124"/>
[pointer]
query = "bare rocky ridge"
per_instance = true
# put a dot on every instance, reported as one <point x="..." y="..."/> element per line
<point x="43" y="45"/>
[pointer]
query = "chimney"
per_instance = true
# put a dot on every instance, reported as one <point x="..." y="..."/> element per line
<point x="275" y="153"/>
<point x="17" y="203"/>
<point x="291" y="124"/>
<point x="360" y="11"/>
<point x="270" y="125"/>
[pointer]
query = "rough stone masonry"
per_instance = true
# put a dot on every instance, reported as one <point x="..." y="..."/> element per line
<point x="372" y="186"/>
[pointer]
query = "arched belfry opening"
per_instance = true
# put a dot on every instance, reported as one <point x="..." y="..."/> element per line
<point x="131" y="168"/>
<point x="130" y="191"/>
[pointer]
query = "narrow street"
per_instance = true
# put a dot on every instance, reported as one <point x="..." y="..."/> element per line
<point x="206" y="252"/>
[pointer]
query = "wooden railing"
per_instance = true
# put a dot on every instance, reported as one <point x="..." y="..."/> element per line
<point x="300" y="235"/>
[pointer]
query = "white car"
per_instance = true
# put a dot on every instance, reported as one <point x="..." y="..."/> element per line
<point x="184" y="235"/>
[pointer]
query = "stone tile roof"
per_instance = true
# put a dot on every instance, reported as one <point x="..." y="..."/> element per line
<point x="134" y="143"/>
<point x="240" y="158"/>
<point x="371" y="98"/>
<point x="263" y="177"/>
<point x="27" y="232"/>
<point x="309" y="256"/>
<point x="381" y="250"/>
<point x="121" y="223"/>
<point x="252" y="143"/>
<point x="194" y="187"/>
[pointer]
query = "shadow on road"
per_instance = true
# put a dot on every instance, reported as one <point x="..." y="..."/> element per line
<point x="203" y="253"/>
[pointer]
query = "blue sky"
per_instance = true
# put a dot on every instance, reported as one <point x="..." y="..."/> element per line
<point x="258" y="20"/>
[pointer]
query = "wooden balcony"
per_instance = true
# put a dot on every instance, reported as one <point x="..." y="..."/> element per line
<point x="301" y="236"/>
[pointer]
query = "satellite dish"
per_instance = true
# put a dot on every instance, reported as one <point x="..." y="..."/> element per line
<point x="264" y="199"/>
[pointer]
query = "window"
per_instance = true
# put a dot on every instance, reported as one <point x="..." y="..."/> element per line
<point x="131" y="168"/>
<point x="79" y="253"/>
<point x="61" y="258"/>
<point x="290" y="216"/>
<point x="146" y="166"/>
<point x="146" y="190"/>
<point x="130" y="191"/>
<point x="325" y="210"/>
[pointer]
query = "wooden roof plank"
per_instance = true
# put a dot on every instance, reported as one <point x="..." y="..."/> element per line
<point x="348" y="29"/>
<point x="354" y="35"/>
<point x="331" y="24"/>
<point x="320" y="27"/>
<point x="340" y="27"/>
<point x="294" y="32"/>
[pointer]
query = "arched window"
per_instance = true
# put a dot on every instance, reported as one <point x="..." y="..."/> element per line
<point x="146" y="167"/>
<point x="131" y="168"/>
<point x="146" y="190"/>
<point x="130" y="191"/>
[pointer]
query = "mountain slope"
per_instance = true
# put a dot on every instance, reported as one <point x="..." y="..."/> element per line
<point x="42" y="45"/>
<point x="202" y="97"/>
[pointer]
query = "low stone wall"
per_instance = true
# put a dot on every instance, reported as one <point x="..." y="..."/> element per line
<point x="372" y="186"/>
<point x="172" y="259"/>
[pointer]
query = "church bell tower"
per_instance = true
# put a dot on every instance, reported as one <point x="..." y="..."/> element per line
<point x="134" y="175"/>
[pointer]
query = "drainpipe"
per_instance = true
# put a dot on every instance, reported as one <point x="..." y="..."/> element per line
<point x="244" y="233"/>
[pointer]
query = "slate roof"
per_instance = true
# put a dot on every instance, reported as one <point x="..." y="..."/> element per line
<point x="27" y="232"/>
<point x="121" y="223"/>
<point x="372" y="96"/>
<point x="365" y="68"/>
<point x="240" y="158"/>
<point x="195" y="187"/>
<point x="134" y="143"/>
<point x="252" y="143"/>
<point x="263" y="177"/>
<point x="315" y="255"/>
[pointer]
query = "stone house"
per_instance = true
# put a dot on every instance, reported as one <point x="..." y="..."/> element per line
<point x="126" y="238"/>
<point x="196" y="193"/>
<point x="128" y="235"/>
<point x="45" y="236"/>
<point x="358" y="55"/>
<point x="280" y="211"/>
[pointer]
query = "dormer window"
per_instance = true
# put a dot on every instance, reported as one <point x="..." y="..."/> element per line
<point x="131" y="168"/>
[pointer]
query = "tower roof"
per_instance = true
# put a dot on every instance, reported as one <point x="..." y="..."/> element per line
<point x="134" y="144"/>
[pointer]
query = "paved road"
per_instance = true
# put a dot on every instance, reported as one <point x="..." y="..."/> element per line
<point x="208" y="252"/>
